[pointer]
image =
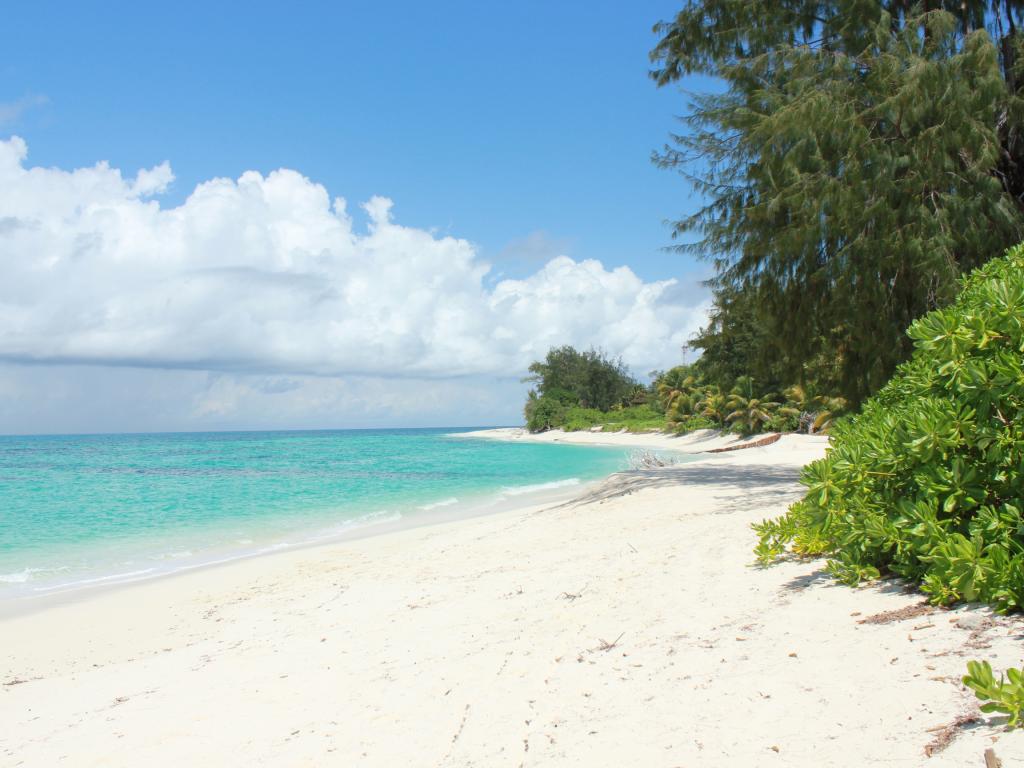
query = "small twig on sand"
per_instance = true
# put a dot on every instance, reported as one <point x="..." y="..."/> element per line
<point x="462" y="725"/>
<point x="991" y="761"/>
<point x="455" y="738"/>
<point x="635" y="550"/>
<point x="606" y="646"/>
<point x="570" y="596"/>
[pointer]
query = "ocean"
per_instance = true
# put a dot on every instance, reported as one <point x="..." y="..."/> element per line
<point x="88" y="510"/>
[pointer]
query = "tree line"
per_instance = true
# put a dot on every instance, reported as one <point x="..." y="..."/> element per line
<point x="861" y="157"/>
<point x="576" y="390"/>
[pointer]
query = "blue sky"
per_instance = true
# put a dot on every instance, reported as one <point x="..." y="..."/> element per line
<point x="525" y="129"/>
<point x="495" y="125"/>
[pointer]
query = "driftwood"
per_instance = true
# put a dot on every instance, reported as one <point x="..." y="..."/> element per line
<point x="755" y="444"/>
<point x="649" y="460"/>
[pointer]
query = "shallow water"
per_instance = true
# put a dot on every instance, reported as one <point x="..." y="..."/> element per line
<point x="94" y="509"/>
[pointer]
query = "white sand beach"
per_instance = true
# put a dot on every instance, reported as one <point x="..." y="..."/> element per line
<point x="627" y="628"/>
<point x="695" y="442"/>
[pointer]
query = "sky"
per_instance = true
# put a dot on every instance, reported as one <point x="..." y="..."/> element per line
<point x="328" y="215"/>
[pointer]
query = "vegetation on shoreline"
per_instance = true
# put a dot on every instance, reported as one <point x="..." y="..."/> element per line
<point x="579" y="390"/>
<point x="1005" y="695"/>
<point x="678" y="400"/>
<point x="859" y="159"/>
<point x="927" y="481"/>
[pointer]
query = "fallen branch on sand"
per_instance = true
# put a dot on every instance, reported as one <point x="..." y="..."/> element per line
<point x="753" y="444"/>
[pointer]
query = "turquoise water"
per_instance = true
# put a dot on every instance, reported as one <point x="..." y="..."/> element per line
<point x="93" y="509"/>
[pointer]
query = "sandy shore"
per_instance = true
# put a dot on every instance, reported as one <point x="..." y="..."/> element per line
<point x="625" y="629"/>
<point x="694" y="442"/>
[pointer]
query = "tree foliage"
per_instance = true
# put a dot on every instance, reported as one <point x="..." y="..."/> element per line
<point x="681" y="399"/>
<point x="589" y="379"/>
<point x="927" y="482"/>
<point x="568" y="378"/>
<point x="863" y="155"/>
<point x="690" y="402"/>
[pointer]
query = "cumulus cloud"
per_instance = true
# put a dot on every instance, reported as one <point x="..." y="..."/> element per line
<point x="268" y="275"/>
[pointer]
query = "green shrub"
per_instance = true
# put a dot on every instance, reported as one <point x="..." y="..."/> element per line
<point x="577" y="419"/>
<point x="927" y="482"/>
<point x="1004" y="695"/>
<point x="590" y="379"/>
<point x="635" y="418"/>
<point x="783" y="420"/>
<point x="693" y="423"/>
<point x="543" y="413"/>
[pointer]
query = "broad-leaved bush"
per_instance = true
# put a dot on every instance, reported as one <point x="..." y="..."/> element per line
<point x="927" y="481"/>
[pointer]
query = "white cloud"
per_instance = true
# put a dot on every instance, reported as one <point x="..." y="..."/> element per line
<point x="85" y="398"/>
<point x="11" y="111"/>
<point x="267" y="275"/>
<point x="153" y="181"/>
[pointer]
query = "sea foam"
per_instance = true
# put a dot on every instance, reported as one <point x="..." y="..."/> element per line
<point x="437" y="504"/>
<point x="519" y="490"/>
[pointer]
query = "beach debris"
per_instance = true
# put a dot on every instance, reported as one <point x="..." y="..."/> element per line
<point x="944" y="734"/>
<point x="973" y="622"/>
<point x="15" y="681"/>
<point x="570" y="596"/>
<point x="991" y="761"/>
<point x="649" y="460"/>
<point x="462" y="725"/>
<point x="606" y="646"/>
<point x="752" y="444"/>
<point x="505" y="664"/>
<point x="900" y="614"/>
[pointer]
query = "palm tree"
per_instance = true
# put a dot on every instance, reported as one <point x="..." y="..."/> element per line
<point x="713" y="405"/>
<point x="830" y="409"/>
<point x="684" y="404"/>
<point x="674" y="383"/>
<point x="817" y="412"/>
<point x="637" y="395"/>
<point x="751" y="413"/>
